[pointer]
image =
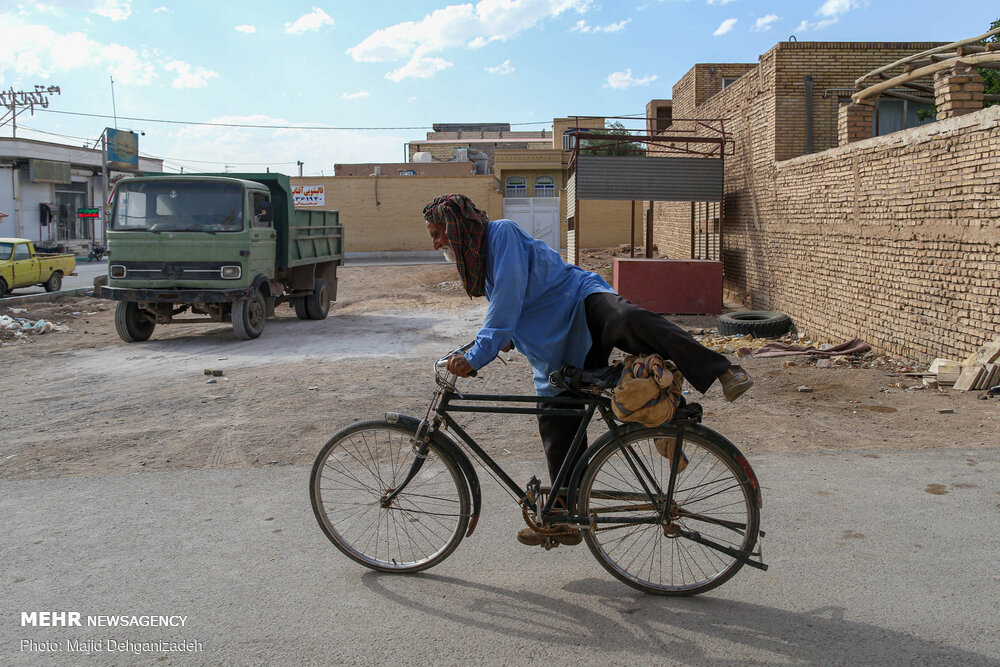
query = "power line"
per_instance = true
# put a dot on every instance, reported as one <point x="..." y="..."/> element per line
<point x="178" y="162"/>
<point x="261" y="126"/>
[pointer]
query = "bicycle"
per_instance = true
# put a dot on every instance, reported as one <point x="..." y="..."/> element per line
<point x="669" y="510"/>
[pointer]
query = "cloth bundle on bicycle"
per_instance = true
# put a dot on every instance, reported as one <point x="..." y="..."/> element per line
<point x="649" y="391"/>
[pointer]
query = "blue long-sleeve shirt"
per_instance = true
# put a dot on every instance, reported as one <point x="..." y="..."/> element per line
<point x="536" y="300"/>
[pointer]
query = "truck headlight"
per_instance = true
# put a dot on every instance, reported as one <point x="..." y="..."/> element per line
<point x="231" y="272"/>
<point x="117" y="271"/>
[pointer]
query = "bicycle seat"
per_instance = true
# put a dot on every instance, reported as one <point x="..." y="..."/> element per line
<point x="579" y="379"/>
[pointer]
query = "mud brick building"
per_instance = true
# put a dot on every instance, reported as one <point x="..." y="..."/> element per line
<point x="894" y="239"/>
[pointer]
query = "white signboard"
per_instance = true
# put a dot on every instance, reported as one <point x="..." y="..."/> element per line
<point x="308" y="195"/>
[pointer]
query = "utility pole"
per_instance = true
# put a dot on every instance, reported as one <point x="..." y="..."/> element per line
<point x="12" y="99"/>
<point x="300" y="167"/>
<point x="114" y="107"/>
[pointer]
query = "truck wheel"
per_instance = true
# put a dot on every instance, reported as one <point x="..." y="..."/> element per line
<point x="54" y="283"/>
<point x="248" y="316"/>
<point x="318" y="303"/>
<point x="3" y="288"/>
<point x="301" y="308"/>
<point x="131" y="322"/>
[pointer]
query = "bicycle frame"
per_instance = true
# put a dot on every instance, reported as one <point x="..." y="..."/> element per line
<point x="448" y="400"/>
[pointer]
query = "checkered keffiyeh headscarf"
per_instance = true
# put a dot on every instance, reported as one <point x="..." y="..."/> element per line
<point x="465" y="227"/>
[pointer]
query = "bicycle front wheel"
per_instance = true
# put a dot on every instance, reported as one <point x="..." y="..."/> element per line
<point x="364" y="463"/>
<point x="633" y="539"/>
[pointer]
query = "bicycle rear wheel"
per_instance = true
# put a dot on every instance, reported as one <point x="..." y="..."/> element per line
<point x="713" y="498"/>
<point x="353" y="474"/>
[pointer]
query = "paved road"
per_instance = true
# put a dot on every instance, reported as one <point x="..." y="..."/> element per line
<point x="867" y="567"/>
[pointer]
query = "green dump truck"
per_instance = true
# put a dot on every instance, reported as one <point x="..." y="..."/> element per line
<point x="225" y="247"/>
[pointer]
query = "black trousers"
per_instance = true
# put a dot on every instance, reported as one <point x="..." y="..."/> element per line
<point x="614" y="322"/>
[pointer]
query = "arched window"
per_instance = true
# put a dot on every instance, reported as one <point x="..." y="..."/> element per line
<point x="545" y="186"/>
<point x="517" y="186"/>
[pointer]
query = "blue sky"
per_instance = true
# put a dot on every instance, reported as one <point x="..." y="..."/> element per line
<point x="394" y="65"/>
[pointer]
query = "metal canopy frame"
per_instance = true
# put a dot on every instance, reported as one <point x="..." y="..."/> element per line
<point x="686" y="162"/>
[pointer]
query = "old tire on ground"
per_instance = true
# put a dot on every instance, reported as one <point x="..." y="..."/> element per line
<point x="301" y="308"/>
<point x="54" y="283"/>
<point x="131" y="322"/>
<point x="249" y="314"/>
<point x="318" y="303"/>
<point x="3" y="288"/>
<point x="756" y="323"/>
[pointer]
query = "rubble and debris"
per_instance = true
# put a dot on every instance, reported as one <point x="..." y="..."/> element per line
<point x="13" y="328"/>
<point x="981" y="370"/>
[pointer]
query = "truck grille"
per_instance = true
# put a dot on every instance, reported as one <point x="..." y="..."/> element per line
<point x="174" y="270"/>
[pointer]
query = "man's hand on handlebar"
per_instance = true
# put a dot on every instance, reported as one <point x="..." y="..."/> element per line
<point x="459" y="365"/>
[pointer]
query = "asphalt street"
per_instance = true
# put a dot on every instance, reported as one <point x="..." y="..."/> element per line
<point x="876" y="558"/>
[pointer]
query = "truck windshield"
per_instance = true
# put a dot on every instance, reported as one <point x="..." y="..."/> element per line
<point x="173" y="206"/>
<point x="5" y="250"/>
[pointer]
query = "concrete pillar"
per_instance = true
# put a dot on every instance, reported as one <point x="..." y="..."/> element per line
<point x="957" y="91"/>
<point x="854" y="121"/>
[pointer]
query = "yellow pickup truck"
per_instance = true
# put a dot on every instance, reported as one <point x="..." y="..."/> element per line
<point x="21" y="266"/>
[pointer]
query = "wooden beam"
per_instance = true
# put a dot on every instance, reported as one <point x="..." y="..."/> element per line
<point x="976" y="60"/>
<point x="937" y="49"/>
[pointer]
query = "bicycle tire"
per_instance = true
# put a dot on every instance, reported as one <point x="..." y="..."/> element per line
<point x="353" y="472"/>
<point x="712" y="487"/>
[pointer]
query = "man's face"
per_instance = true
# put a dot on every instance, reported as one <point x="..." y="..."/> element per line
<point x="440" y="240"/>
<point x="438" y="235"/>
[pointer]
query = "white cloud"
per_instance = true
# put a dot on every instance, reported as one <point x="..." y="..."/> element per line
<point x="455" y="27"/>
<point x="313" y="21"/>
<point x="725" y="27"/>
<point x="127" y="66"/>
<point x="765" y="22"/>
<point x="419" y="68"/>
<point x="116" y="10"/>
<point x="160" y="9"/>
<point x="503" y="68"/>
<point x="720" y="2"/>
<point x="837" y="7"/>
<point x="31" y="50"/>
<point x="249" y="29"/>
<point x="625" y="80"/>
<point x="831" y="11"/>
<point x="356" y="95"/>
<point x="188" y="76"/>
<point x="582" y="26"/>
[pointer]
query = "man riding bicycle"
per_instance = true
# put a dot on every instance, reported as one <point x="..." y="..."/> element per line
<point x="556" y="314"/>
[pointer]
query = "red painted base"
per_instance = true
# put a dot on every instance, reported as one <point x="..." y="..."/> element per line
<point x="678" y="286"/>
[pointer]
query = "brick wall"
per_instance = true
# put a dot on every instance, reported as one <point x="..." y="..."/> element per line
<point x="894" y="239"/>
<point x="385" y="214"/>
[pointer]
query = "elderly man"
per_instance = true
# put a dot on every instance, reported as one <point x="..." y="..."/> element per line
<point x="555" y="314"/>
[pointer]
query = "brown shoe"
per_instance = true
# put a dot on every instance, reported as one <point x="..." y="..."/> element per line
<point x="568" y="535"/>
<point x="734" y="382"/>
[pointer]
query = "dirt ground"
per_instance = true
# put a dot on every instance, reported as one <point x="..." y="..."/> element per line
<point x="81" y="402"/>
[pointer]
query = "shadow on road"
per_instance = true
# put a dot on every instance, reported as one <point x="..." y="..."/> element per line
<point x="700" y="630"/>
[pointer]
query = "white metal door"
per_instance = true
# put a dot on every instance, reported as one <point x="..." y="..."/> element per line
<point x="538" y="216"/>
